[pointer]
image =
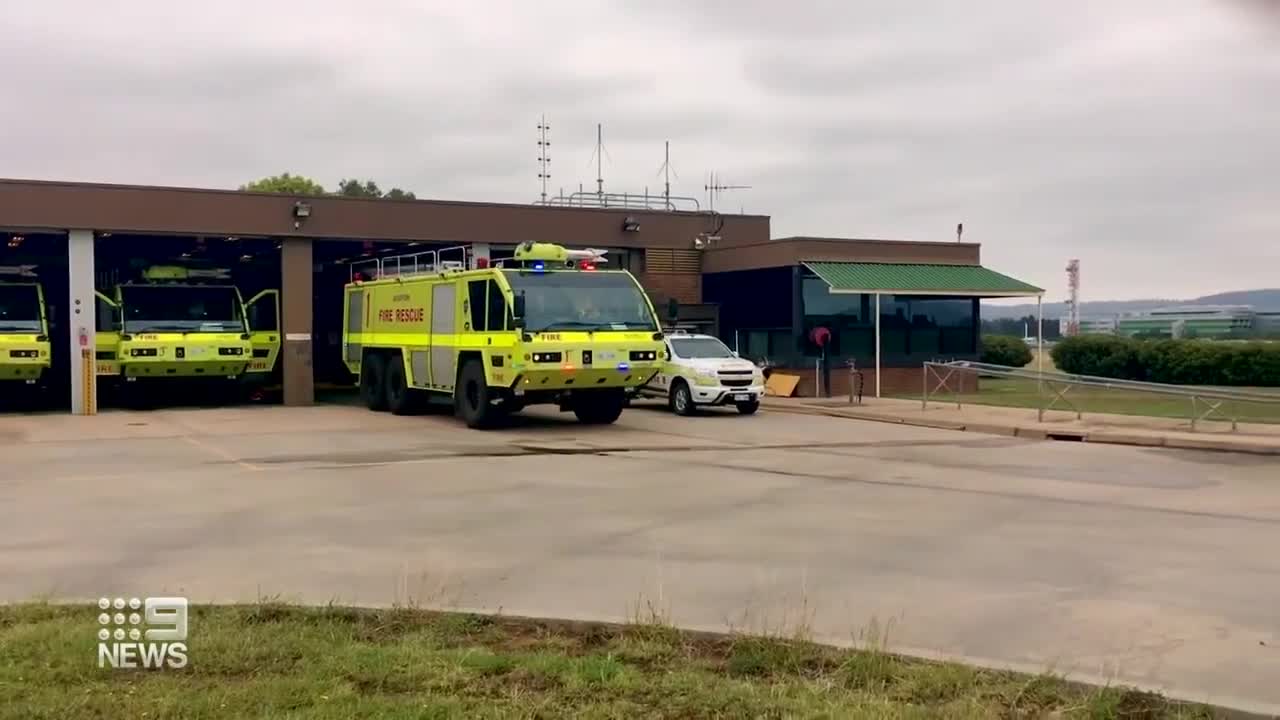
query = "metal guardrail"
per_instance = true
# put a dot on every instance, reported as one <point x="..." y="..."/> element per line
<point x="409" y="264"/>
<point x="624" y="201"/>
<point x="1053" y="388"/>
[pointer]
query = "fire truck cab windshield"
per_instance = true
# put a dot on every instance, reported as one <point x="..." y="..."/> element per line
<point x="181" y="308"/>
<point x="19" y="309"/>
<point x="580" y="300"/>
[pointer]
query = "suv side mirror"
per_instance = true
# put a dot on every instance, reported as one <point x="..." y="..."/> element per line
<point x="673" y="308"/>
<point x="517" y="310"/>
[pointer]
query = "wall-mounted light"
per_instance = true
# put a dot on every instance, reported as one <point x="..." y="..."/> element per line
<point x="301" y="211"/>
<point x="630" y="225"/>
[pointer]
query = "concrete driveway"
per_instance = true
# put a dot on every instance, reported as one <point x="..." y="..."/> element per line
<point x="1154" y="567"/>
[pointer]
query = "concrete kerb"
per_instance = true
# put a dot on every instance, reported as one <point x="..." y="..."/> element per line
<point x="1031" y="433"/>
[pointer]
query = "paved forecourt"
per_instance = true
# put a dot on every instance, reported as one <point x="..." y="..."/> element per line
<point x="1149" y="566"/>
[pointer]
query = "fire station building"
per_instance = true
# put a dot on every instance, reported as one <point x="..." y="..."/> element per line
<point x="887" y="305"/>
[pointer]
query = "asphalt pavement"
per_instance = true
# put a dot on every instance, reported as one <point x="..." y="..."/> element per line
<point x="1135" y="565"/>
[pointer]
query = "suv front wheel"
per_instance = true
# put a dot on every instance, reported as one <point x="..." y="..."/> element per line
<point x="682" y="399"/>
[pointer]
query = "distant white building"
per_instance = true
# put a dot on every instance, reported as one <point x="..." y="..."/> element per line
<point x="1205" y="321"/>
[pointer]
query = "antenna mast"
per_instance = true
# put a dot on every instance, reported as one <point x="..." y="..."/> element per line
<point x="714" y="188"/>
<point x="544" y="159"/>
<point x="1073" y="298"/>
<point x="666" y="173"/>
<point x="600" y="161"/>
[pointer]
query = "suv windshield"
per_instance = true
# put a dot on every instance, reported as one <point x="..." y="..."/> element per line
<point x="181" y="308"/>
<point x="19" y="308"/>
<point x="699" y="348"/>
<point x="581" y="300"/>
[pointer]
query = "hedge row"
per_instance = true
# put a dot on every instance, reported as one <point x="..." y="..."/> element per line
<point x="1004" y="350"/>
<point x="1177" y="362"/>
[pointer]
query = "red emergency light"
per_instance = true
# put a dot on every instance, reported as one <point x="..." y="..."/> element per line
<point x="585" y="265"/>
<point x="482" y="263"/>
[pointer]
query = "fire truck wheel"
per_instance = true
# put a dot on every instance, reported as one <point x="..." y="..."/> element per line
<point x="600" y="407"/>
<point x="373" y="388"/>
<point x="400" y="398"/>
<point x="471" y="396"/>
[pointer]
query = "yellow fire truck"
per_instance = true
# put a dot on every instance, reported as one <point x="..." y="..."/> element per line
<point x="25" y="352"/>
<point x="545" y="326"/>
<point x="186" y="323"/>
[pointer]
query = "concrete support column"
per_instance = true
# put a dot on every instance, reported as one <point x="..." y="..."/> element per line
<point x="296" y="314"/>
<point x="83" y="323"/>
<point x="878" y="345"/>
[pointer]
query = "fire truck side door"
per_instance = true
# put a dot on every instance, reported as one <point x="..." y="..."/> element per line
<point x="106" y="337"/>
<point x="263" y="315"/>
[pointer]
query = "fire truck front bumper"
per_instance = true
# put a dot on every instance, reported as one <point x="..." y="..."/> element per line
<point x="23" y="362"/>
<point x="539" y="379"/>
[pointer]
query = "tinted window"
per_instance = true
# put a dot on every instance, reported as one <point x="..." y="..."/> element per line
<point x="108" y="315"/>
<point x="699" y="348"/>
<point x="497" y="312"/>
<point x="262" y="314"/>
<point x="475" y="302"/>
<point x="19" y="308"/>
<point x="181" y="308"/>
<point x="569" y="300"/>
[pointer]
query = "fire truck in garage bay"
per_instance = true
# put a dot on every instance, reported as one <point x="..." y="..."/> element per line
<point x="25" y="352"/>
<point x="544" y="326"/>
<point x="183" y="323"/>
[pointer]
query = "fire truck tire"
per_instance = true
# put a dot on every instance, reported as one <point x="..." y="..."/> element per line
<point x="373" y="386"/>
<point x="401" y="399"/>
<point x="471" y="397"/>
<point x="601" y="407"/>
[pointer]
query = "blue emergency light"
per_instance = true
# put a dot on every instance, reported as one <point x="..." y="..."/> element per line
<point x="623" y="367"/>
<point x="539" y="266"/>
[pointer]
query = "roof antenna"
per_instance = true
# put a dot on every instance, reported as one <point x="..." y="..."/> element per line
<point x="599" y="155"/>
<point x="714" y="188"/>
<point x="667" y="172"/>
<point x="544" y="159"/>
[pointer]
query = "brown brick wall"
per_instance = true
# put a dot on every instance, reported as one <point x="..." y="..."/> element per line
<point x="897" y="382"/>
<point x="686" y="288"/>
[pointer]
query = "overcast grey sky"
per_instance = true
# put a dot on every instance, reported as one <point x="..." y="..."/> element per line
<point x="1142" y="137"/>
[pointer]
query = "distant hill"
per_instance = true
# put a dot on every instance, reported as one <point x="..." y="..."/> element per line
<point x="1267" y="299"/>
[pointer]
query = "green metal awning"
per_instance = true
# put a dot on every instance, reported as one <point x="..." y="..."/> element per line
<point x="919" y="279"/>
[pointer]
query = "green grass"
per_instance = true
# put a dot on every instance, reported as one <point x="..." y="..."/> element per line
<point x="274" y="660"/>
<point x="1020" y="392"/>
<point x="1023" y="393"/>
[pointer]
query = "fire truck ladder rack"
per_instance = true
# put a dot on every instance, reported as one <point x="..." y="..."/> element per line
<point x="425" y="262"/>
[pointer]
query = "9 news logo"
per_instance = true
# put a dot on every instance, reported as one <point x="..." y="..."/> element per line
<point x="155" y="638"/>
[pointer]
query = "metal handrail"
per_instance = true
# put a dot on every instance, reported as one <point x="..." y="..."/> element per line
<point x="1053" y="387"/>
<point x="423" y="262"/>
<point x="623" y="201"/>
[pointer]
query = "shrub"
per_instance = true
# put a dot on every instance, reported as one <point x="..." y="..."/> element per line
<point x="1176" y="362"/>
<point x="1005" y="350"/>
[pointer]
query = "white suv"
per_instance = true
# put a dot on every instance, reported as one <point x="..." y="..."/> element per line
<point x="702" y="371"/>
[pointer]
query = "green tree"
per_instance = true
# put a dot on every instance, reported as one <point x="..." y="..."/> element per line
<point x="370" y="189"/>
<point x="286" y="184"/>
